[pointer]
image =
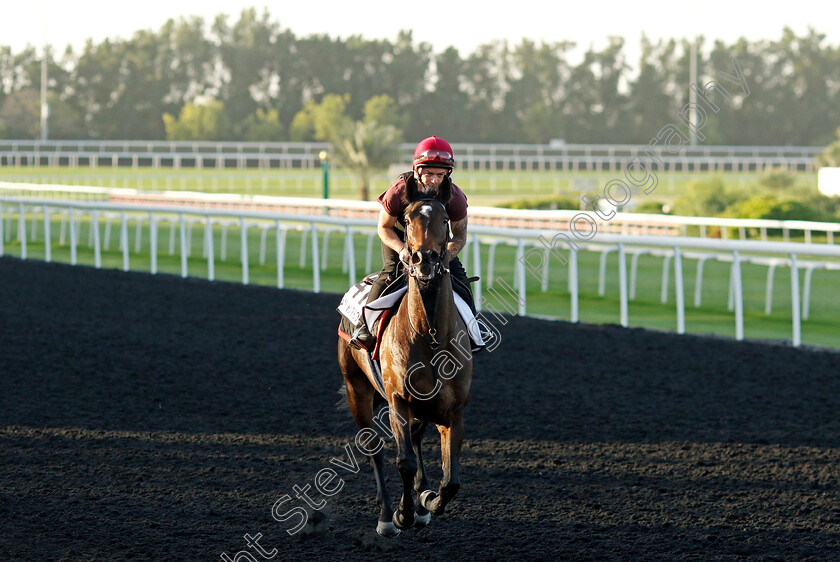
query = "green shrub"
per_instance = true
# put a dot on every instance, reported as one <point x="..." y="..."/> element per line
<point x="778" y="179"/>
<point x="769" y="207"/>
<point x="554" y="202"/>
<point x="705" y="199"/>
<point x="652" y="207"/>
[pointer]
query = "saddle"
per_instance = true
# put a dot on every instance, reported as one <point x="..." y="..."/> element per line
<point x="355" y="309"/>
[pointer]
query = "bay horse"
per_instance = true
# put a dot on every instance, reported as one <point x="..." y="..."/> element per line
<point x="426" y="365"/>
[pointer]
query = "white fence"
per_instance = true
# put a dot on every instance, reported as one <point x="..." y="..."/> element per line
<point x="621" y="223"/>
<point x="531" y="245"/>
<point x="470" y="156"/>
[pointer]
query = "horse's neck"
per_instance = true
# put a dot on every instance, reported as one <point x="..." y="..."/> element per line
<point x="441" y="306"/>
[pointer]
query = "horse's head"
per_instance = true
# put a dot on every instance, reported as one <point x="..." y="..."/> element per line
<point x="427" y="234"/>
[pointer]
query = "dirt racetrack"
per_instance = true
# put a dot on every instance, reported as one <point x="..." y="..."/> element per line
<point x="146" y="418"/>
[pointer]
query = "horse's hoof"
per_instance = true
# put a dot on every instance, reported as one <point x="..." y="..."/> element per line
<point x="426" y="499"/>
<point x="403" y="523"/>
<point x="421" y="521"/>
<point x="387" y="529"/>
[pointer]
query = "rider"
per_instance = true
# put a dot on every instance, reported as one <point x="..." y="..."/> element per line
<point x="430" y="178"/>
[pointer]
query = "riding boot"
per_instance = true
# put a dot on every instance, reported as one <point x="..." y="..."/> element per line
<point x="362" y="338"/>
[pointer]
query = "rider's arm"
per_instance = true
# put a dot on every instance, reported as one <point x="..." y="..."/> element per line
<point x="385" y="229"/>
<point x="459" y="237"/>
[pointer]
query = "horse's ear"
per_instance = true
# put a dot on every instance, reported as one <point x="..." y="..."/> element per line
<point x="410" y="195"/>
<point x="445" y="191"/>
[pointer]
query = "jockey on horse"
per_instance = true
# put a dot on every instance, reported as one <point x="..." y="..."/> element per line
<point x="429" y="178"/>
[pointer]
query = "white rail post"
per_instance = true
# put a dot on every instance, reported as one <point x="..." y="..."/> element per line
<point x="351" y="255"/>
<point x="634" y="267"/>
<point x="806" y="292"/>
<point x="369" y="252"/>
<point x="573" y="286"/>
<point x="680" y="290"/>
<point x="71" y="220"/>
<point x="281" y="253"/>
<point x="33" y="235"/>
<point x="182" y="231"/>
<point x="303" y="235"/>
<point x="698" y="283"/>
<point x="22" y="231"/>
<point x="243" y="243"/>
<point x="602" y="272"/>
<point x="622" y="285"/>
<point x="326" y="249"/>
<point x="263" y="242"/>
<point x="666" y="270"/>
<point x="209" y="249"/>
<point x="519" y="273"/>
<point x="794" y="301"/>
<point x="738" y="293"/>
<point x="138" y="234"/>
<point x="47" y="241"/>
<point x="545" y="271"/>
<point x="316" y="269"/>
<point x="97" y="250"/>
<point x="768" y="292"/>
<point x="123" y="238"/>
<point x="476" y="255"/>
<point x="153" y="242"/>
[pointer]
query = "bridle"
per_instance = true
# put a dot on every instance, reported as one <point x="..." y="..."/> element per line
<point x="412" y="266"/>
<point x="436" y="259"/>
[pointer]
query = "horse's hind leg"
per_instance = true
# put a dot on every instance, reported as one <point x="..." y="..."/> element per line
<point x="360" y="397"/>
<point x="421" y="481"/>
<point x="451" y="439"/>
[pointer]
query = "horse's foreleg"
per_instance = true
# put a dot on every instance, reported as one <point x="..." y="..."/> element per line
<point x="451" y="439"/>
<point x="406" y="461"/>
<point x="421" y="481"/>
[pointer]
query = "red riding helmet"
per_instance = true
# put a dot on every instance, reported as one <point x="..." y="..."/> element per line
<point x="435" y="153"/>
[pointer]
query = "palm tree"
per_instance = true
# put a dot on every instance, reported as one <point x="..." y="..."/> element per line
<point x="364" y="147"/>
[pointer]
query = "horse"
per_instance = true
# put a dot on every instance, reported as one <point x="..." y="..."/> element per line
<point x="426" y="365"/>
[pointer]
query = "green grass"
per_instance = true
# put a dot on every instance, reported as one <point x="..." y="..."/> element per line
<point x="482" y="188"/>
<point x="645" y="311"/>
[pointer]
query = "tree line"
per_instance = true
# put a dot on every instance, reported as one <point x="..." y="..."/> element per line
<point x="253" y="80"/>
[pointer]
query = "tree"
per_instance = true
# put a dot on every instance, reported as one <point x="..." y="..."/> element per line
<point x="363" y="147"/>
<point x="261" y="126"/>
<point x="383" y="110"/>
<point x="20" y="115"/>
<point x="204" y="120"/>
<point x="320" y="121"/>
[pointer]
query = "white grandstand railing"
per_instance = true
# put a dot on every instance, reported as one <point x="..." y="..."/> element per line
<point x="529" y="243"/>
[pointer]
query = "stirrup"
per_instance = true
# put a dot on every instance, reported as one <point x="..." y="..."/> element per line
<point x="362" y="338"/>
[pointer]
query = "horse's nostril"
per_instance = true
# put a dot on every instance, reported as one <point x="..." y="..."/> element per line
<point x="417" y="258"/>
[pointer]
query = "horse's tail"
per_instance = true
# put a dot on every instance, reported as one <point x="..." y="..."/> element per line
<point x="342" y="405"/>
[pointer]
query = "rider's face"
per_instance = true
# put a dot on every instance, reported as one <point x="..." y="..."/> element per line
<point x="431" y="178"/>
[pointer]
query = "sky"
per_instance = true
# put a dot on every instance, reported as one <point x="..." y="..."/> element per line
<point x="462" y="24"/>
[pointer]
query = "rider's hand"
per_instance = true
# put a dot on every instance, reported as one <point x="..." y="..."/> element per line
<point x="404" y="254"/>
